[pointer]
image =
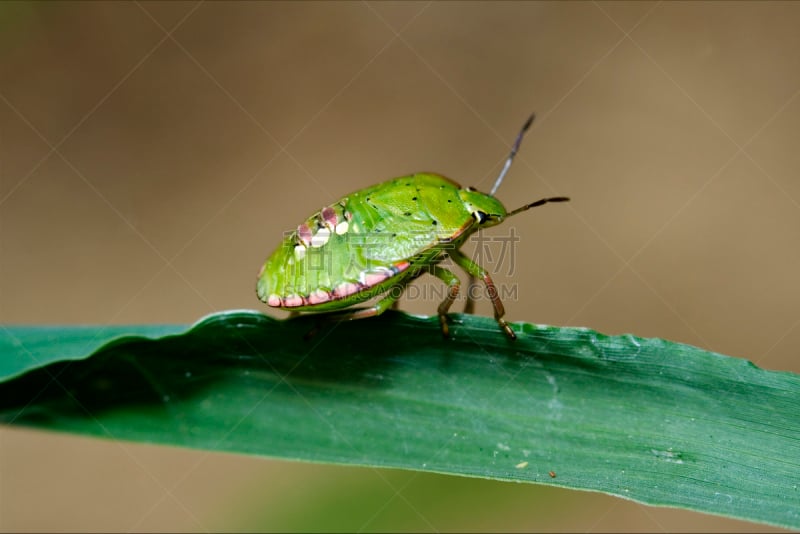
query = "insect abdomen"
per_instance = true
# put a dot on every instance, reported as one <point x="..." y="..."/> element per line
<point x="355" y="249"/>
<point x="323" y="265"/>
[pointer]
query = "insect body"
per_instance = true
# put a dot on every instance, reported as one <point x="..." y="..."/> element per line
<point x="375" y="241"/>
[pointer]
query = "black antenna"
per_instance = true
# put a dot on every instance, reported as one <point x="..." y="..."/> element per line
<point x="514" y="149"/>
<point x="537" y="203"/>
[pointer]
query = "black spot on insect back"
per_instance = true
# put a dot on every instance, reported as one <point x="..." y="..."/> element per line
<point x="407" y="214"/>
<point x="413" y="198"/>
<point x="434" y="223"/>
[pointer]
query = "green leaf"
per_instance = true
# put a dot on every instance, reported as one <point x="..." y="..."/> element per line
<point x="646" y="419"/>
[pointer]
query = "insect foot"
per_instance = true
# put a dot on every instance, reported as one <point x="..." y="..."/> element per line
<point x="507" y="329"/>
<point x="443" y="319"/>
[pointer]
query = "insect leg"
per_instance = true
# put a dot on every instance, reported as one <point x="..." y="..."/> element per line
<point x="453" y="285"/>
<point x="392" y="294"/>
<point x="479" y="272"/>
<point x="469" y="307"/>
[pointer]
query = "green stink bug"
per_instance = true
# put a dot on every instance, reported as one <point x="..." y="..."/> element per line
<point x="375" y="241"/>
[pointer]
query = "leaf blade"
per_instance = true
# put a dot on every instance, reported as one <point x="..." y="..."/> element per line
<point x="646" y="419"/>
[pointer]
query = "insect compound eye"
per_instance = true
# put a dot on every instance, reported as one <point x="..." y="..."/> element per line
<point x="480" y="216"/>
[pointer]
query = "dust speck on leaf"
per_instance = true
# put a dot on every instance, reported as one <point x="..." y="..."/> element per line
<point x="668" y="455"/>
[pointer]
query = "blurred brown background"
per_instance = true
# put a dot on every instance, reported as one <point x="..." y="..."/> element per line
<point x="153" y="154"/>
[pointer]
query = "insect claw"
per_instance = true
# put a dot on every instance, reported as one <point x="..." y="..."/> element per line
<point x="507" y="329"/>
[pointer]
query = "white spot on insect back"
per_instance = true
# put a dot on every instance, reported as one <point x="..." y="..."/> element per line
<point x="299" y="252"/>
<point x="321" y="237"/>
<point x="342" y="228"/>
